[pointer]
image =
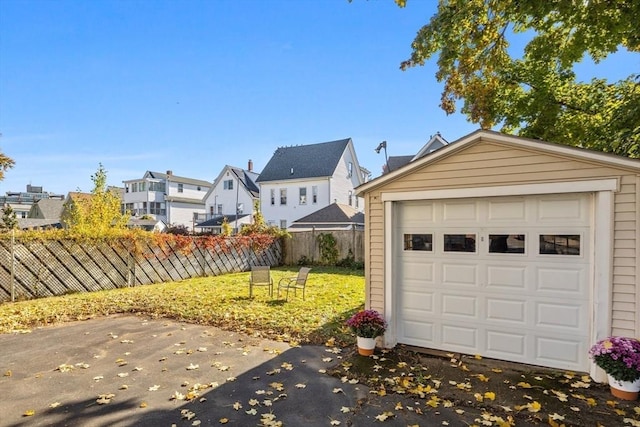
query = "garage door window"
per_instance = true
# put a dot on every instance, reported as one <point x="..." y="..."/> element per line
<point x="460" y="243"/>
<point x="506" y="243"/>
<point x="418" y="242"/>
<point x="560" y="244"/>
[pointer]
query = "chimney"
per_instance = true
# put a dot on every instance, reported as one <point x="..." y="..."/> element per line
<point x="250" y="165"/>
<point x="169" y="172"/>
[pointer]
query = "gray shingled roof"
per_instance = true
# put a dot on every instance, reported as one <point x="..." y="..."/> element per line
<point x="49" y="208"/>
<point x="334" y="213"/>
<point x="248" y="180"/>
<point x="218" y="220"/>
<point x="176" y="178"/>
<point x="304" y="161"/>
<point x="396" y="162"/>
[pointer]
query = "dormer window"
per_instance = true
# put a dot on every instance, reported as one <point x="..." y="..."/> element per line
<point x="350" y="171"/>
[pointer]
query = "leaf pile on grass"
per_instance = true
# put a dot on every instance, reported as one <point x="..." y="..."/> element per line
<point x="332" y="295"/>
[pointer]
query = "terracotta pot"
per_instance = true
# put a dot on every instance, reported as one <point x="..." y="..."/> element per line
<point x="625" y="390"/>
<point x="366" y="346"/>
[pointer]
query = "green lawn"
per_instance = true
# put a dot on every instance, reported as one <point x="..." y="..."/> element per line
<point x="332" y="295"/>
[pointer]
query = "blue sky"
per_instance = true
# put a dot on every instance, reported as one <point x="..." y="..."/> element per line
<point x="193" y="85"/>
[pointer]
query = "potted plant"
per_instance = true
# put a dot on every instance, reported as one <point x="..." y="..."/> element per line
<point x="367" y="325"/>
<point x="619" y="357"/>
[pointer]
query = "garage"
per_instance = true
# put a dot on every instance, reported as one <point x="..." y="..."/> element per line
<point x="503" y="277"/>
<point x="506" y="247"/>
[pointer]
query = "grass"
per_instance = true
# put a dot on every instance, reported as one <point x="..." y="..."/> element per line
<point x="332" y="295"/>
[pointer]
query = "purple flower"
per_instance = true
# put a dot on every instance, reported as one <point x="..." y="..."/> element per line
<point x="618" y="357"/>
<point x="367" y="324"/>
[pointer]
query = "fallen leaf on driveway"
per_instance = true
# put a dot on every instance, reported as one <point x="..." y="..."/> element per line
<point x="29" y="413"/>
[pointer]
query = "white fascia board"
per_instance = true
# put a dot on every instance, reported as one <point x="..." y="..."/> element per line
<point x="609" y="184"/>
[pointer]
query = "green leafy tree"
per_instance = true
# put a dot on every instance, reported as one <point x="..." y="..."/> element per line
<point x="9" y="219"/>
<point x="536" y="94"/>
<point x="5" y="164"/>
<point x="98" y="212"/>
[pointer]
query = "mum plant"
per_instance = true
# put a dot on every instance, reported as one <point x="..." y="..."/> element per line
<point x="367" y="324"/>
<point x="618" y="357"/>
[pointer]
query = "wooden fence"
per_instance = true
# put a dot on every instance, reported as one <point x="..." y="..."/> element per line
<point x="305" y="244"/>
<point x="32" y="269"/>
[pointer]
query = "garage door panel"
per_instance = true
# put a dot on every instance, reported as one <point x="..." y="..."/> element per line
<point x="506" y="310"/>
<point x="418" y="302"/>
<point x="419" y="333"/>
<point x="561" y="280"/>
<point x="460" y="337"/>
<point x="459" y="305"/>
<point x="500" y="342"/>
<point x="566" y="209"/>
<point x="418" y="270"/>
<point x="454" y="274"/>
<point x="559" y="351"/>
<point x="506" y="277"/>
<point x="564" y="316"/>
<point x="459" y="211"/>
<point x="500" y="211"/>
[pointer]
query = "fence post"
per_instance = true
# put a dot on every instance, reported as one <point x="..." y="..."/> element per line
<point x="13" y="261"/>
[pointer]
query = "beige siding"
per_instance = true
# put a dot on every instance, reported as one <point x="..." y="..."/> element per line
<point x="495" y="164"/>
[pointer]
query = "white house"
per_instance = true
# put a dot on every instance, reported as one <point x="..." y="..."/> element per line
<point x="176" y="200"/>
<point x="302" y="179"/>
<point x="231" y="196"/>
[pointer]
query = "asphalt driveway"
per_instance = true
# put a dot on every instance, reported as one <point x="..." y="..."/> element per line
<point x="133" y="371"/>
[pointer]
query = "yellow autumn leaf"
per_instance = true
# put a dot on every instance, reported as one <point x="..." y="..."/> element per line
<point x="522" y="384"/>
<point x="592" y="402"/>
<point x="29" y="413"/>
<point x="143" y="404"/>
<point x="620" y="412"/>
<point x="223" y="420"/>
<point x="490" y="395"/>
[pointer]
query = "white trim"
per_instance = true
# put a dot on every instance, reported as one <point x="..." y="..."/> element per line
<point x="609" y="184"/>
<point x="603" y="223"/>
<point x="391" y="335"/>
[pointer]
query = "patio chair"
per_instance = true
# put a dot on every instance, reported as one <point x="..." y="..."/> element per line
<point x="295" y="283"/>
<point x="260" y="276"/>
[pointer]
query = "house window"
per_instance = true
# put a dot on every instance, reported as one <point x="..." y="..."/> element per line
<point x="418" y="242"/>
<point x="198" y="188"/>
<point x="459" y="242"/>
<point x="350" y="197"/>
<point x="357" y="203"/>
<point x="350" y="171"/>
<point x="220" y="209"/>
<point x="156" y="186"/>
<point x="228" y="184"/>
<point x="142" y="186"/>
<point x="283" y="196"/>
<point x="559" y="244"/>
<point x="240" y="208"/>
<point x="506" y="243"/>
<point x="126" y="188"/>
<point x="314" y="194"/>
<point x="283" y="223"/>
<point x="303" y="195"/>
<point x="273" y="196"/>
<point x="156" y="208"/>
<point x="211" y="210"/>
<point x="180" y="188"/>
<point x="134" y="187"/>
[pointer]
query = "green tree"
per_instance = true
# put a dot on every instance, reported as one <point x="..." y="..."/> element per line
<point x="98" y="212"/>
<point x="5" y="163"/>
<point x="536" y="94"/>
<point x="9" y="219"/>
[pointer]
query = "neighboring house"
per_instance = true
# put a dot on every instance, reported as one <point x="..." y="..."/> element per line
<point x="299" y="180"/>
<point x="173" y="199"/>
<point x="506" y="247"/>
<point x="214" y="224"/>
<point x="233" y="193"/>
<point x="147" y="224"/>
<point x="45" y="213"/>
<point x="333" y="217"/>
<point x="21" y="202"/>
<point x="396" y="162"/>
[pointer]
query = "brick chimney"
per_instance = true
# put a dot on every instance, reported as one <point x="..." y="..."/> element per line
<point x="250" y="165"/>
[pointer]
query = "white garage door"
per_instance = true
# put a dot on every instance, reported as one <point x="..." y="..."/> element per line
<point x="507" y="278"/>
